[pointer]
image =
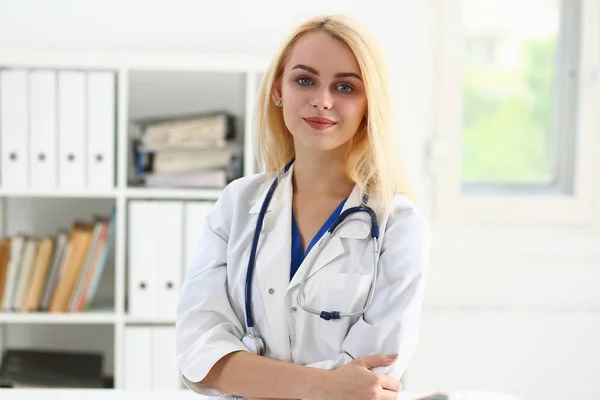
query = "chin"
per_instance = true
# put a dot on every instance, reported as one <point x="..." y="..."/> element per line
<point x="322" y="143"/>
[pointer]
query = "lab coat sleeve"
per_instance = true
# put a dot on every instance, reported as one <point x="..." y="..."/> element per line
<point x="206" y="327"/>
<point x="392" y="324"/>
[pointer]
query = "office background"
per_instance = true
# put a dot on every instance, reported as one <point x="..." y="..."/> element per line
<point x="512" y="301"/>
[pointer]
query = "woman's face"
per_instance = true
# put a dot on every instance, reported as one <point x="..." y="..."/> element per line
<point x="322" y="93"/>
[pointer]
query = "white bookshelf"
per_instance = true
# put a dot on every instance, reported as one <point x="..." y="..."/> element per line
<point x="107" y="317"/>
<point x="241" y="76"/>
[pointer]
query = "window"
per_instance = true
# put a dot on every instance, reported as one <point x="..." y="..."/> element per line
<point x="514" y="109"/>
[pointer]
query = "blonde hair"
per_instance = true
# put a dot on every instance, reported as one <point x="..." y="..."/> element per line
<point x="373" y="163"/>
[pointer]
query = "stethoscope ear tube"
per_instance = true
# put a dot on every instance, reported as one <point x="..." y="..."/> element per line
<point x="253" y="342"/>
<point x="252" y="258"/>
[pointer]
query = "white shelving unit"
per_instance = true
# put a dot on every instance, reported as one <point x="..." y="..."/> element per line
<point x="133" y="73"/>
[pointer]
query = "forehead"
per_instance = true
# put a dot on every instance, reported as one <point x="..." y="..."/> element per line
<point x="326" y="54"/>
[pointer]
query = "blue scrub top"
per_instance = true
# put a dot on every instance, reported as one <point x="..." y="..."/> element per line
<point x="297" y="255"/>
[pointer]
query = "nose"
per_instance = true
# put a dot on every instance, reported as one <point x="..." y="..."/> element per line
<point x="322" y="100"/>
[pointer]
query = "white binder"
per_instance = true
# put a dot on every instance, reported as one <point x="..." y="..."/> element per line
<point x="101" y="130"/>
<point x="43" y="126"/>
<point x="138" y="358"/>
<point x="14" y="129"/>
<point x="195" y="215"/>
<point x="142" y="265"/>
<point x="150" y="358"/>
<point x="169" y="256"/>
<point x="71" y="129"/>
<point x="165" y="373"/>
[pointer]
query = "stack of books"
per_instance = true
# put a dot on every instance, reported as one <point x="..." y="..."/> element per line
<point x="57" y="273"/>
<point x="187" y="151"/>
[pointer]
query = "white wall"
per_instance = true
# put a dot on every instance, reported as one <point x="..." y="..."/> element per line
<point x="513" y="310"/>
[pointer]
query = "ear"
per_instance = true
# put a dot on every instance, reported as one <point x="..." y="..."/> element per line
<point x="276" y="90"/>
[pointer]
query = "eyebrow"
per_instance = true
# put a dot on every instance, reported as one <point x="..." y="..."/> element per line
<point x="338" y="75"/>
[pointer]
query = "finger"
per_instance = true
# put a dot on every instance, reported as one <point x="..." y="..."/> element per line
<point x="388" y="395"/>
<point x="376" y="360"/>
<point x="390" y="383"/>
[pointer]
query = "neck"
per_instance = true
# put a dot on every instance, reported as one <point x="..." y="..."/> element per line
<point x="321" y="174"/>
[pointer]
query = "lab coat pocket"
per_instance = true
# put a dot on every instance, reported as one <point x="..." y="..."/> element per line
<point x="338" y="291"/>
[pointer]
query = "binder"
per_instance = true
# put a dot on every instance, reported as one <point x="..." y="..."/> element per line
<point x="150" y="358"/>
<point x="195" y="216"/>
<point x="142" y="264"/>
<point x="165" y="372"/>
<point x="43" y="130"/>
<point x="14" y="129"/>
<point x="101" y="125"/>
<point x="71" y="129"/>
<point x="155" y="238"/>
<point x="169" y="256"/>
<point x="138" y="358"/>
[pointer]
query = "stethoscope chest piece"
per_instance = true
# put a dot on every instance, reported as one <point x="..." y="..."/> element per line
<point x="254" y="344"/>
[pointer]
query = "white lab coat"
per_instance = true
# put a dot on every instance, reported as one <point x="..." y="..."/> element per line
<point x="211" y="312"/>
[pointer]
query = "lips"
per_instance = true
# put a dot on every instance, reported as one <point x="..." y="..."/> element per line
<point x="319" y="123"/>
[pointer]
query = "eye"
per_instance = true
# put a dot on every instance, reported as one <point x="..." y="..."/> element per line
<point x="344" y="88"/>
<point x="304" y="81"/>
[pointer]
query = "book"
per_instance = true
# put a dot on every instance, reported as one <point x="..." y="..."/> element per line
<point x="4" y="259"/>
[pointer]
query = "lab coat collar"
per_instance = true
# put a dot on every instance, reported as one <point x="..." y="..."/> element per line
<point x="258" y="201"/>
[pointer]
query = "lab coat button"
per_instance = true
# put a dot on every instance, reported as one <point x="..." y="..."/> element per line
<point x="271" y="291"/>
<point x="294" y="309"/>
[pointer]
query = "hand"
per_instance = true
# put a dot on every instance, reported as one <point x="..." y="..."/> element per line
<point x="355" y="381"/>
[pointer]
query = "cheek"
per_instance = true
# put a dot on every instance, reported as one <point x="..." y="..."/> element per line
<point x="354" y="111"/>
<point x="293" y="96"/>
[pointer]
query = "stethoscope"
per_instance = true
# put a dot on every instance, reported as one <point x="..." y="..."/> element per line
<point x="253" y="342"/>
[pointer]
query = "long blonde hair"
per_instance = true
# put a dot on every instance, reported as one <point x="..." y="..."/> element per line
<point x="373" y="163"/>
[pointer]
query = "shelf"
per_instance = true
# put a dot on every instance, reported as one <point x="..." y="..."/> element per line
<point x="136" y="320"/>
<point x="58" y="193"/>
<point x="132" y="193"/>
<point x="159" y="193"/>
<point x="141" y="61"/>
<point x="91" y="317"/>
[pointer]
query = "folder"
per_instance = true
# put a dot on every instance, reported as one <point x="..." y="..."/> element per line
<point x="43" y="130"/>
<point x="71" y="129"/>
<point x="165" y="372"/>
<point x="14" y="129"/>
<point x="169" y="256"/>
<point x="138" y="358"/>
<point x="142" y="264"/>
<point x="194" y="220"/>
<point x="101" y="123"/>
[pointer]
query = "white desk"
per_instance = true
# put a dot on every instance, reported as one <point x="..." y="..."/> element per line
<point x="109" y="394"/>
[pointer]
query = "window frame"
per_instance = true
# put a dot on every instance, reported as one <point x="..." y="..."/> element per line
<point x="449" y="202"/>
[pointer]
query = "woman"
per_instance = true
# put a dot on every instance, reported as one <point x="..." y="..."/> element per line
<point x="326" y="139"/>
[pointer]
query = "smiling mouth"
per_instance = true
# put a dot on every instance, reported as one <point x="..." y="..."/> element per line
<point x="320" y="125"/>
